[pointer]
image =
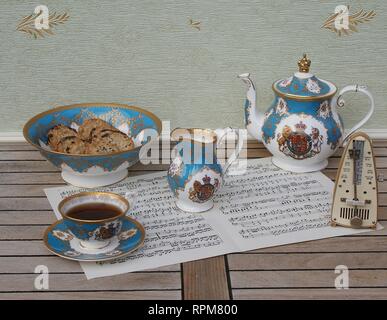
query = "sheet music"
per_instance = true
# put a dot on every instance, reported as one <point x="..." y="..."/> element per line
<point x="264" y="207"/>
<point x="268" y="206"/>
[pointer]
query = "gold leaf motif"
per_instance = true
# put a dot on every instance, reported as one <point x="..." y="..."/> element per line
<point x="354" y="20"/>
<point x="194" y="24"/>
<point x="27" y="24"/>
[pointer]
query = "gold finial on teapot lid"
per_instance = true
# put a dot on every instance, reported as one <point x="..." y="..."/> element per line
<point x="304" y="64"/>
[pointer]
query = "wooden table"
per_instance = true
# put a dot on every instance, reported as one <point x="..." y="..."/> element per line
<point x="304" y="270"/>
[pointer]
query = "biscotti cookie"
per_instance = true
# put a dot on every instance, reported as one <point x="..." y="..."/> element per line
<point x="102" y="132"/>
<point x="87" y="128"/>
<point x="59" y="132"/>
<point x="120" y="139"/>
<point x="72" y="145"/>
<point x="100" y="146"/>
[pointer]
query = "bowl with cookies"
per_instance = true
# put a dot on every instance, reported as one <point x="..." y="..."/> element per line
<point x="92" y="143"/>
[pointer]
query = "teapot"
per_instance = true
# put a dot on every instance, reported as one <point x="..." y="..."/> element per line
<point x="302" y="127"/>
<point x="195" y="174"/>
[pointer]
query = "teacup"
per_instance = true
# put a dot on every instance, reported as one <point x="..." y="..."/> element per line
<point x="94" y="217"/>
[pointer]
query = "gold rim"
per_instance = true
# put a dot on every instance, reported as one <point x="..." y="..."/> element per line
<point x="92" y="193"/>
<point x="138" y="225"/>
<point x="87" y="105"/>
<point x="301" y="98"/>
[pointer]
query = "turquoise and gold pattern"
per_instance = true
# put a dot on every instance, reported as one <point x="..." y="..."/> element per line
<point x="317" y="110"/>
<point x="62" y="242"/>
<point x="311" y="87"/>
<point x="182" y="172"/>
<point x="304" y="85"/>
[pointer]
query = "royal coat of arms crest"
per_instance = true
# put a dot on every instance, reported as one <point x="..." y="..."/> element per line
<point x="201" y="192"/>
<point x="298" y="144"/>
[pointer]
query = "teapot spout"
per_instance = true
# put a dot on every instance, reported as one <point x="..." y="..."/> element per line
<point x="253" y="118"/>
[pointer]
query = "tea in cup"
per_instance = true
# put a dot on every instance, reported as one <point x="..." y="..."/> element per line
<point x="94" y="217"/>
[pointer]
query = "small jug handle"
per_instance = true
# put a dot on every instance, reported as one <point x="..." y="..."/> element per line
<point x="340" y="103"/>
<point x="222" y="134"/>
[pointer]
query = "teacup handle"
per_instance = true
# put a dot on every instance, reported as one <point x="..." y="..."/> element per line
<point x="340" y="103"/>
<point x="222" y="134"/>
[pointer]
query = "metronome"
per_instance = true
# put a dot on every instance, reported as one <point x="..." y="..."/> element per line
<point x="355" y="199"/>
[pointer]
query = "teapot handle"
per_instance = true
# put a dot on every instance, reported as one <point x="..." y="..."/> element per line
<point x="222" y="134"/>
<point x="340" y="103"/>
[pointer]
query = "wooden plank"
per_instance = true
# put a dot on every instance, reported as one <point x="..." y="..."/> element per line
<point x="39" y="178"/>
<point x="309" y="261"/>
<point x="21" y="155"/>
<point x="35" y="232"/>
<point x="22" y="232"/>
<point x="36" y="155"/>
<point x="310" y="294"/>
<point x="99" y="295"/>
<point x="251" y="153"/>
<point x="24" y="203"/>
<point x="23" y="248"/>
<point x="379" y="142"/>
<point x="43" y="204"/>
<point x="359" y="243"/>
<point x="205" y="280"/>
<point x="48" y="217"/>
<point x="45" y="166"/>
<point x="305" y="279"/>
<point x="256" y="152"/>
<point x="55" y="265"/>
<point x="27" y="166"/>
<point x="31" y="190"/>
<point x="31" y="178"/>
<point x="251" y="143"/>
<point x="342" y="244"/>
<point x="27" y="217"/>
<point x="16" y="146"/>
<point x="78" y="282"/>
<point x="15" y="191"/>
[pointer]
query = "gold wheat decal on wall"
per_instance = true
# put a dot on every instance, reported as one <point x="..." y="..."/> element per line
<point x="354" y="21"/>
<point x="194" y="24"/>
<point x="27" y="24"/>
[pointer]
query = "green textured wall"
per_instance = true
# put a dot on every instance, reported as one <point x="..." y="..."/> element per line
<point x="145" y="52"/>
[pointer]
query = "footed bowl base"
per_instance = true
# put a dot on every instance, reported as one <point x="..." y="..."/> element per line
<point x="301" y="168"/>
<point x="90" y="181"/>
<point x="200" y="207"/>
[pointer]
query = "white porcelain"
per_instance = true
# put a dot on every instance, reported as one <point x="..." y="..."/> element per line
<point x="95" y="176"/>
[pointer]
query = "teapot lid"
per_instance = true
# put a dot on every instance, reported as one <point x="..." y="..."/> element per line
<point x="304" y="85"/>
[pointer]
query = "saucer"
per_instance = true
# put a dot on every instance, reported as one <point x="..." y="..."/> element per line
<point x="60" y="241"/>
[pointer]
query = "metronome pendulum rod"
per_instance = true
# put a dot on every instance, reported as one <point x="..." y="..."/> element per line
<point x="357" y="154"/>
<point x="354" y="157"/>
